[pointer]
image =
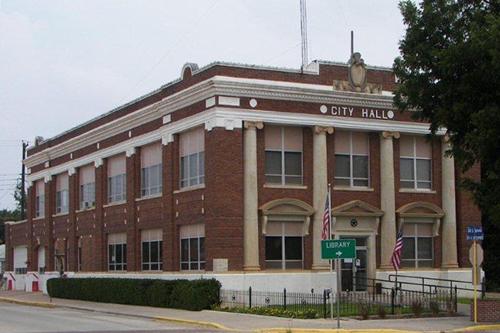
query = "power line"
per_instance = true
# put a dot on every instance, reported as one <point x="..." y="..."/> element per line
<point x="173" y="47"/>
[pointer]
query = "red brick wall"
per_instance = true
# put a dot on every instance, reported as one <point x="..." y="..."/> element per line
<point x="223" y="197"/>
<point x="488" y="311"/>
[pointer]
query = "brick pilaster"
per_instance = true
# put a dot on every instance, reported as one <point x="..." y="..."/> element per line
<point x="73" y="188"/>
<point x="100" y="199"/>
<point x="133" y="192"/>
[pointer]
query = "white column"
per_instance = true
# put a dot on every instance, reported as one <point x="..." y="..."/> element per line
<point x="449" y="221"/>
<point x="320" y="187"/>
<point x="250" y="198"/>
<point x="387" y="198"/>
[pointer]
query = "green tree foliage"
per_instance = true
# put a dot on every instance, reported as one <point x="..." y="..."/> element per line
<point x="7" y="215"/>
<point x="11" y="215"/>
<point x="449" y="75"/>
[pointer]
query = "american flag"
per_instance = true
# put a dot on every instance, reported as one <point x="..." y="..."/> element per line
<point x="325" y="234"/>
<point x="396" y="254"/>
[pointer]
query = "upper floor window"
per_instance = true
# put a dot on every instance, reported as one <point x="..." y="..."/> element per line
<point x="40" y="198"/>
<point x="117" y="179"/>
<point x="283" y="155"/>
<point x="192" y="157"/>
<point x="351" y="159"/>
<point x="418" y="248"/>
<point x="151" y="170"/>
<point x="62" y="193"/>
<point x="415" y="162"/>
<point x="87" y="187"/>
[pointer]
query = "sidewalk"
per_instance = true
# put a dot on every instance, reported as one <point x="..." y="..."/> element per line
<point x="248" y="322"/>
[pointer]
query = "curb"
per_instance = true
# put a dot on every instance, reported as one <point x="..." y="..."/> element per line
<point x="20" y="302"/>
<point x="208" y="324"/>
<point x="478" y="328"/>
<point x="332" y="330"/>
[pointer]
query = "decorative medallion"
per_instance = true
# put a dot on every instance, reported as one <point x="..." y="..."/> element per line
<point x="354" y="223"/>
<point x="357" y="72"/>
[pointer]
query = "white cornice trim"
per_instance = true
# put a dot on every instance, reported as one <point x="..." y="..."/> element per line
<point x="217" y="85"/>
<point x="301" y="119"/>
<point x="231" y="118"/>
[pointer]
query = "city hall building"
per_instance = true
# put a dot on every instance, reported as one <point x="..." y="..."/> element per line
<point x="224" y="173"/>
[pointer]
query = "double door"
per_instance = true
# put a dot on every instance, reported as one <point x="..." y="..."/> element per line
<point x="354" y="271"/>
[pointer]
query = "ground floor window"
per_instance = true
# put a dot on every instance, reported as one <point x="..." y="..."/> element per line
<point x="20" y="259"/>
<point x="418" y="245"/>
<point x="284" y="245"/>
<point x="192" y="239"/>
<point x="117" y="252"/>
<point x="41" y="260"/>
<point x="152" y="250"/>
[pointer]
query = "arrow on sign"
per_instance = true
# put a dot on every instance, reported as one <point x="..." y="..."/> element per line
<point x="338" y="253"/>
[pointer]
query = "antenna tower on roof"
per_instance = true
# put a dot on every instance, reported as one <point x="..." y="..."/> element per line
<point x="303" y="32"/>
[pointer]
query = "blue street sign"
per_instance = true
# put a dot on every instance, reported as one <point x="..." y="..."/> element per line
<point x="475" y="233"/>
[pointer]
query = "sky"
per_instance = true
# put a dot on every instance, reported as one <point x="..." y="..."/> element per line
<point x="65" y="62"/>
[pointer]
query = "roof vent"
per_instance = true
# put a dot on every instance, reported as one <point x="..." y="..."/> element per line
<point x="188" y="69"/>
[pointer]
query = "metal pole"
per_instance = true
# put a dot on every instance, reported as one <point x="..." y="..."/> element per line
<point x="337" y="269"/>
<point x="352" y="43"/>
<point x="474" y="278"/>
<point x="330" y="237"/>
<point x="23" y="176"/>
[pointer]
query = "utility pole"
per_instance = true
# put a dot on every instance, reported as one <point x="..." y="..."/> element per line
<point x="23" y="177"/>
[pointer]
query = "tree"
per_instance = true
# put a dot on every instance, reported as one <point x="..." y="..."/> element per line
<point x="448" y="74"/>
<point x="11" y="215"/>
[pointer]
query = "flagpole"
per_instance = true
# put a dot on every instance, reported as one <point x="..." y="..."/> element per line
<point x="330" y="231"/>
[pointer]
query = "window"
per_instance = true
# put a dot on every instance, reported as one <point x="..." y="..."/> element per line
<point x="117" y="252"/>
<point x="20" y="259"/>
<point x="192" y="247"/>
<point x="40" y="198"/>
<point x="41" y="260"/>
<point x="418" y="246"/>
<point x="192" y="158"/>
<point x="351" y="159"/>
<point x="87" y="187"/>
<point x="62" y="193"/>
<point x="151" y="170"/>
<point x="415" y="163"/>
<point x="284" y="245"/>
<point x="283" y="155"/>
<point x="117" y="179"/>
<point x="152" y="250"/>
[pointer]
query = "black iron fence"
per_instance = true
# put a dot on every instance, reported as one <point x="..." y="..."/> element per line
<point x="378" y="300"/>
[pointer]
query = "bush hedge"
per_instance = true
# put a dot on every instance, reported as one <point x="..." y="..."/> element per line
<point x="180" y="294"/>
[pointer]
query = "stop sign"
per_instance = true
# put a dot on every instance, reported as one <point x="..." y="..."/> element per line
<point x="479" y="254"/>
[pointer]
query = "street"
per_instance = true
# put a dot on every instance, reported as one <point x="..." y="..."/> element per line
<point x="20" y="318"/>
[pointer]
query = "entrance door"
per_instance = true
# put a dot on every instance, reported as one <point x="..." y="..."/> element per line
<point x="353" y="272"/>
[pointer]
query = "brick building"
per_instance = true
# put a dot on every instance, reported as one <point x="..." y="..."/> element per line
<point x="224" y="172"/>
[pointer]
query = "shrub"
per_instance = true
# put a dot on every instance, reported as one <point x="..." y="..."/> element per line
<point x="434" y="307"/>
<point x="181" y="294"/>
<point x="381" y="311"/>
<point x="364" y="310"/>
<point x="417" y="308"/>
